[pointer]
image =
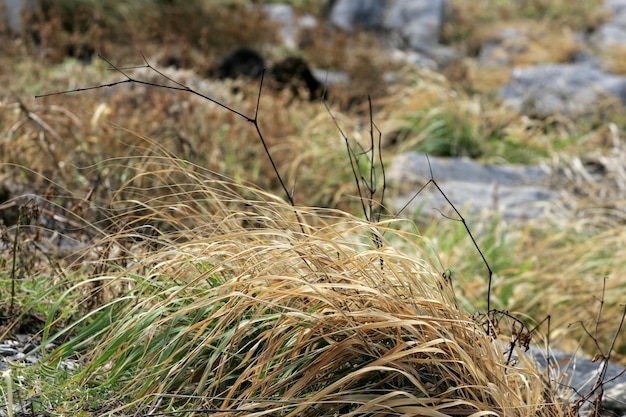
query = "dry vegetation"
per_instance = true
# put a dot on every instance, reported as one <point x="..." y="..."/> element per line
<point x="134" y="239"/>
<point x="243" y="307"/>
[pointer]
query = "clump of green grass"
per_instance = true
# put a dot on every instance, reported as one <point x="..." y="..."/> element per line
<point x="245" y="307"/>
<point x="433" y="117"/>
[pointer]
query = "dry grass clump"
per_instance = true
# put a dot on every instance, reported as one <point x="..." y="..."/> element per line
<point x="545" y="32"/>
<point x="469" y="18"/>
<point x="245" y="304"/>
<point x="428" y="115"/>
<point x="534" y="43"/>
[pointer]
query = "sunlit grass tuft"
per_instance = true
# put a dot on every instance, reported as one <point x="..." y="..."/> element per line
<point x="238" y="304"/>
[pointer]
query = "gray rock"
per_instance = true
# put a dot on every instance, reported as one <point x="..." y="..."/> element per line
<point x="331" y="77"/>
<point x="514" y="191"/>
<point x="418" y="22"/>
<point x="568" y="89"/>
<point x="617" y="10"/>
<point x="22" y="349"/>
<point x="614" y="399"/>
<point x="14" y="10"/>
<point x="465" y="169"/>
<point x="415" y="58"/>
<point x="289" y="24"/>
<point x="579" y="376"/>
<point x="285" y="17"/>
<point x="520" y="202"/>
<point x="613" y="32"/>
<point x="615" y="6"/>
<point x="365" y="14"/>
<point x="7" y="350"/>
<point x="410" y="24"/>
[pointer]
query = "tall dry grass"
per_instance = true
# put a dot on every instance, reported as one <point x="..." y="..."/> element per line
<point x="236" y="305"/>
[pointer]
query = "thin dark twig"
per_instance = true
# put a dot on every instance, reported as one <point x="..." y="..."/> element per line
<point x="597" y="389"/>
<point x="480" y="252"/>
<point x="445" y="216"/>
<point x="599" y="316"/>
<point x="181" y="87"/>
<point x="160" y="73"/>
<point x="382" y="169"/>
<point x="430" y="168"/>
<point x="614" y="340"/>
<point x="417" y="193"/>
<point x="594" y="336"/>
<point x="255" y="122"/>
<point x="258" y="98"/>
<point x="351" y="156"/>
<point x="548" y="319"/>
<point x="363" y="184"/>
<point x="467" y="229"/>
<point x="148" y="83"/>
<point x="372" y="186"/>
<point x="372" y="182"/>
<point x="548" y="356"/>
<point x="601" y="380"/>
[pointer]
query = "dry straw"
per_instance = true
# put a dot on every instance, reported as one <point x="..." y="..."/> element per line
<point x="218" y="298"/>
<point x="238" y="306"/>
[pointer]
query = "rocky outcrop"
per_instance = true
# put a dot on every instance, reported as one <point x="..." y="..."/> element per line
<point x="577" y="88"/>
<point x="515" y="192"/>
<point x="573" y="90"/>
<point x="613" y="32"/>
<point x="578" y="375"/>
<point x="415" y="25"/>
<point x="418" y="23"/>
<point x="363" y="14"/>
<point x="290" y="26"/>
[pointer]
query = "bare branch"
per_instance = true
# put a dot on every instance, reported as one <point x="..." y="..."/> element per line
<point x="181" y="87"/>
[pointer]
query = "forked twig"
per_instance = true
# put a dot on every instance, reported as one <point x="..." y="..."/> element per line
<point x="351" y="156"/>
<point x="370" y="186"/>
<point x="182" y="87"/>
<point x="467" y="229"/>
<point x="366" y="187"/>
<point x="604" y="356"/>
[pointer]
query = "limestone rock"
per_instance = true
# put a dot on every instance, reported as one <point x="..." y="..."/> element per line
<point x="514" y="191"/>
<point x="573" y="90"/>
<point x="364" y="14"/>
<point x="418" y="22"/>
<point x="580" y="374"/>
<point x="613" y="32"/>
<point x="289" y="25"/>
